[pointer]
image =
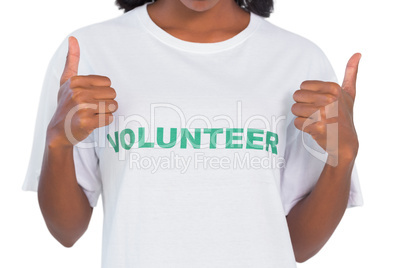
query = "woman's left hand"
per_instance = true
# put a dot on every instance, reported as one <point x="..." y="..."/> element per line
<point x="325" y="111"/>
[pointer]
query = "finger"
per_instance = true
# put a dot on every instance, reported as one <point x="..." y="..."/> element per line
<point x="320" y="86"/>
<point x="106" y="106"/>
<point x="103" y="93"/>
<point x="104" y="119"/>
<point x="89" y="81"/>
<point x="305" y="110"/>
<point x="98" y="107"/>
<point x="99" y="80"/>
<point x="311" y="85"/>
<point x="302" y="122"/>
<point x="316" y="129"/>
<point x="313" y="97"/>
<point x="72" y="60"/>
<point x="349" y="81"/>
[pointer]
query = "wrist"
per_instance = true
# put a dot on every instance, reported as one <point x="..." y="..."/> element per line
<point x="343" y="158"/>
<point x="348" y="153"/>
<point x="55" y="140"/>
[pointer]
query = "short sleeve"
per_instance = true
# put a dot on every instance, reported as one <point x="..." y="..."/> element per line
<point x="85" y="159"/>
<point x="304" y="158"/>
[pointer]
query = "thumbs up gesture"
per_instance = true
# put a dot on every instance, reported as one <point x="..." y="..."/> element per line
<point x="325" y="111"/>
<point x="84" y="103"/>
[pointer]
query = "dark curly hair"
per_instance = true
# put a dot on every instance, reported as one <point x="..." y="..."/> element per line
<point x="260" y="7"/>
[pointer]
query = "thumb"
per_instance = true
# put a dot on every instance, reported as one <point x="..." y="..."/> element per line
<point x="72" y="60"/>
<point x="349" y="81"/>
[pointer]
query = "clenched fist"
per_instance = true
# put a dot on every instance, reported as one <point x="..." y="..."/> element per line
<point x="84" y="103"/>
<point x="325" y="111"/>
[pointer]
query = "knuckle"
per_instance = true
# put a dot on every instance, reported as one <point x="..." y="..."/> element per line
<point x="75" y="81"/>
<point x="78" y="121"/>
<point x="82" y="113"/>
<point x="77" y="96"/>
<point x="320" y="127"/>
<point x="84" y="122"/>
<point x="99" y="80"/>
<point x="329" y="98"/>
<point x="304" y="84"/>
<point x="296" y="95"/>
<point x="335" y="88"/>
<point x="111" y="105"/>
<point x="116" y="105"/>
<point x="106" y="80"/>
<point x="113" y="93"/>
<point x="294" y="108"/>
<point x="108" y="92"/>
<point x="297" y="122"/>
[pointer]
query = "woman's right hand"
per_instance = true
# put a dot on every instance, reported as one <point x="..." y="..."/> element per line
<point x="84" y="103"/>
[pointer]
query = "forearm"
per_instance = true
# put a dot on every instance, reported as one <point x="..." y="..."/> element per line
<point x="63" y="203"/>
<point x="313" y="220"/>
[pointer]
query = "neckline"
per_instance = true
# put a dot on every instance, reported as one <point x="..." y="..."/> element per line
<point x="165" y="37"/>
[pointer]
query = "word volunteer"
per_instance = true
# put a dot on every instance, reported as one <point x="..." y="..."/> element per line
<point x="257" y="139"/>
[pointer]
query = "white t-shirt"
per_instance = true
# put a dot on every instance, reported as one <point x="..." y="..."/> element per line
<point x="202" y="161"/>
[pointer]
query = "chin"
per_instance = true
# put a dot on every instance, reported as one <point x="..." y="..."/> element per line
<point x="199" y="5"/>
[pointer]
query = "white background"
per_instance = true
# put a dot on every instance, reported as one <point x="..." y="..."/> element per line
<point x="368" y="236"/>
